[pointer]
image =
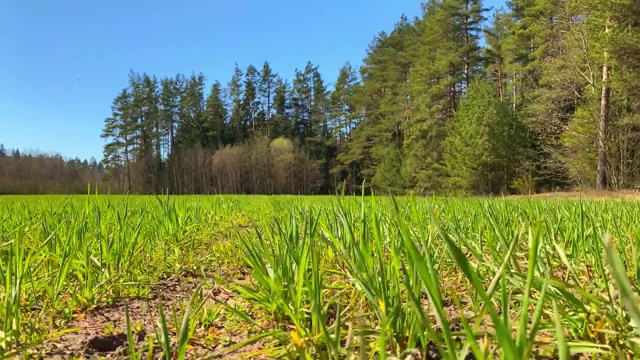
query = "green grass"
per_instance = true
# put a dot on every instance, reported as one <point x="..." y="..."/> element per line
<point x="333" y="277"/>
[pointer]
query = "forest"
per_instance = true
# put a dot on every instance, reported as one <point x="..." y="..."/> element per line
<point x="40" y="173"/>
<point x="537" y="96"/>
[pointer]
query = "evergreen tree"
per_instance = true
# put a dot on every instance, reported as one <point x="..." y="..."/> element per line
<point x="469" y="15"/>
<point x="435" y="87"/>
<point x="605" y="119"/>
<point x="250" y="101"/>
<point x="479" y="152"/>
<point x="237" y="128"/>
<point x="170" y="94"/>
<point x="302" y="102"/>
<point x="267" y="92"/>
<point x="215" y="118"/>
<point x="281" y="125"/>
<point x="496" y="53"/>
<point x="141" y="120"/>
<point x="321" y="144"/>
<point x="377" y="141"/>
<point x="153" y="119"/>
<point x="542" y="85"/>
<point x="345" y="116"/>
<point x="191" y="131"/>
<point x="118" y="132"/>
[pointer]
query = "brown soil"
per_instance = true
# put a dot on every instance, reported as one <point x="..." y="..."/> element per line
<point x="100" y="333"/>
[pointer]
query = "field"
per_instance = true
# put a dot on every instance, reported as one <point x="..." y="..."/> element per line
<point x="318" y="277"/>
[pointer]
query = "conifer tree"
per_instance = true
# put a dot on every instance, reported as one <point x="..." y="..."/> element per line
<point x="496" y="53"/>
<point x="118" y="133"/>
<point x="215" y="118"/>
<point x="190" y="128"/>
<point x="250" y="101"/>
<point x="281" y="125"/>
<point x="378" y="140"/>
<point x="345" y="115"/>
<point x="237" y="127"/>
<point x="448" y="58"/>
<point x="483" y="149"/>
<point x="267" y="91"/>
<point x="302" y="102"/>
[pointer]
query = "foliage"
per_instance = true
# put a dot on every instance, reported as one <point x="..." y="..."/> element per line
<point x="485" y="143"/>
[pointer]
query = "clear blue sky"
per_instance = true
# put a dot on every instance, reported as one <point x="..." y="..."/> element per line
<point x="63" y="62"/>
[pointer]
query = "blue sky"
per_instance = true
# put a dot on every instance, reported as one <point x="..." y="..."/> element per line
<point x="63" y="61"/>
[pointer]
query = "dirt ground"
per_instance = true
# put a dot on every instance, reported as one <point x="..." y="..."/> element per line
<point x="101" y="333"/>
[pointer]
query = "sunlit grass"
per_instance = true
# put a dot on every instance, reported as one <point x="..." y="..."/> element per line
<point x="334" y="277"/>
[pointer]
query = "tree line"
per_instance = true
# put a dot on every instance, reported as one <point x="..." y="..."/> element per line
<point x="28" y="173"/>
<point x="257" y="134"/>
<point x="536" y="96"/>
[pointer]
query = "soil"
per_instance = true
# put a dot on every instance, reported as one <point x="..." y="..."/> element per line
<point x="100" y="333"/>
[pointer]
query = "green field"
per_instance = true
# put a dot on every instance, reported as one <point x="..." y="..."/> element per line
<point x="318" y="277"/>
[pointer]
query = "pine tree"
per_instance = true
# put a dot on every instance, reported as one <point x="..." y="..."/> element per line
<point x="469" y="15"/>
<point x="484" y="145"/>
<point x="141" y="125"/>
<point x="378" y="140"/>
<point x="281" y="125"/>
<point x="301" y="102"/>
<point x="153" y="118"/>
<point x="321" y="144"/>
<point x="601" y="37"/>
<point x="310" y="120"/>
<point x="543" y="84"/>
<point x="237" y="128"/>
<point x="448" y="58"/>
<point x="118" y="132"/>
<point x="190" y="129"/>
<point x="267" y="92"/>
<point x="170" y="94"/>
<point x="345" y="116"/>
<point x="250" y="101"/>
<point x="496" y="53"/>
<point x="215" y="118"/>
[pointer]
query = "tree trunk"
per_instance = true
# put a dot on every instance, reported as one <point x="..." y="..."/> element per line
<point x="268" y="118"/>
<point x="500" y="82"/>
<point x="467" y="41"/>
<point x="603" y="132"/>
<point x="515" y="92"/>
